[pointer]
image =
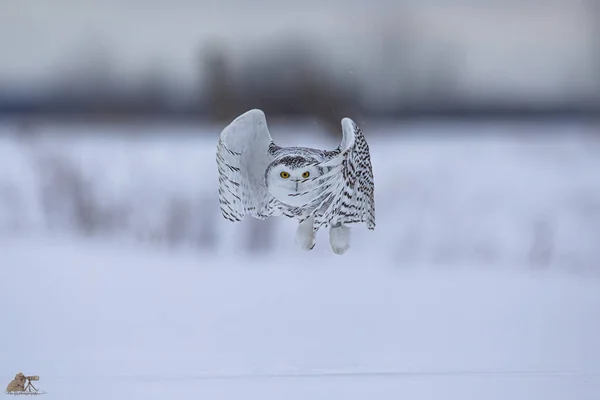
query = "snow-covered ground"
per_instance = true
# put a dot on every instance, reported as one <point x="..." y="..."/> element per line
<point x="480" y="281"/>
<point x="102" y="321"/>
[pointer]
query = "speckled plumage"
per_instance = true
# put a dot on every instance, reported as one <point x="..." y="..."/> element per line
<point x="338" y="191"/>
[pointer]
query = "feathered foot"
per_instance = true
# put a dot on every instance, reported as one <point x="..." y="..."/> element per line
<point x="305" y="235"/>
<point x="339" y="238"/>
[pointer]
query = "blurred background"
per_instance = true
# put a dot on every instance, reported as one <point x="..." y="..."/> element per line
<point x="482" y="120"/>
<point x="120" y="274"/>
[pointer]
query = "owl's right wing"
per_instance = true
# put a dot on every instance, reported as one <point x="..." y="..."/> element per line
<point x="242" y="159"/>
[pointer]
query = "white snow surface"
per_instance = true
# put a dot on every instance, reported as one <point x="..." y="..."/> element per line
<point x="479" y="282"/>
<point x="99" y="321"/>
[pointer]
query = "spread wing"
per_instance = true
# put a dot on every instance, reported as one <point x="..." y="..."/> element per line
<point x="348" y="194"/>
<point x="242" y="159"/>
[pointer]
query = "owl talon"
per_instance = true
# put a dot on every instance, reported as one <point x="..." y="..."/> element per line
<point x="305" y="236"/>
<point x="305" y="242"/>
<point x="339" y="238"/>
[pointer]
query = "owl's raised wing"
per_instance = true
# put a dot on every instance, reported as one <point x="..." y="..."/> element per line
<point x="242" y="158"/>
<point x="349" y="191"/>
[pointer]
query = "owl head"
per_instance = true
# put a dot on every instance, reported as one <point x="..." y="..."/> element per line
<point x="290" y="179"/>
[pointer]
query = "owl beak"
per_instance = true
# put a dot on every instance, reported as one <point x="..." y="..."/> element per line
<point x="297" y="186"/>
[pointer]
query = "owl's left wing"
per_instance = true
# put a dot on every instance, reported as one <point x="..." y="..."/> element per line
<point x="242" y="159"/>
<point x="348" y="194"/>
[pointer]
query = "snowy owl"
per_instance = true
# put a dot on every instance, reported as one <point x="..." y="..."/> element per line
<point x="331" y="188"/>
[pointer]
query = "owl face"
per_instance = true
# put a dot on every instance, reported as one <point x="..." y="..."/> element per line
<point x="289" y="180"/>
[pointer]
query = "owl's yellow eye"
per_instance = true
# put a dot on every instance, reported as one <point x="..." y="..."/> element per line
<point x="305" y="174"/>
<point x="284" y="174"/>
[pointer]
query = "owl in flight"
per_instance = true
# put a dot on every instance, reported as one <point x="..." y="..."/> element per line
<point x="330" y="188"/>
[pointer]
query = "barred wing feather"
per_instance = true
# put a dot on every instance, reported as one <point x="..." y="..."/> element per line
<point x="348" y="188"/>
<point x="242" y="158"/>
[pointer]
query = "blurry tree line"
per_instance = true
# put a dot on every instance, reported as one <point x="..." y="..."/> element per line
<point x="290" y="79"/>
